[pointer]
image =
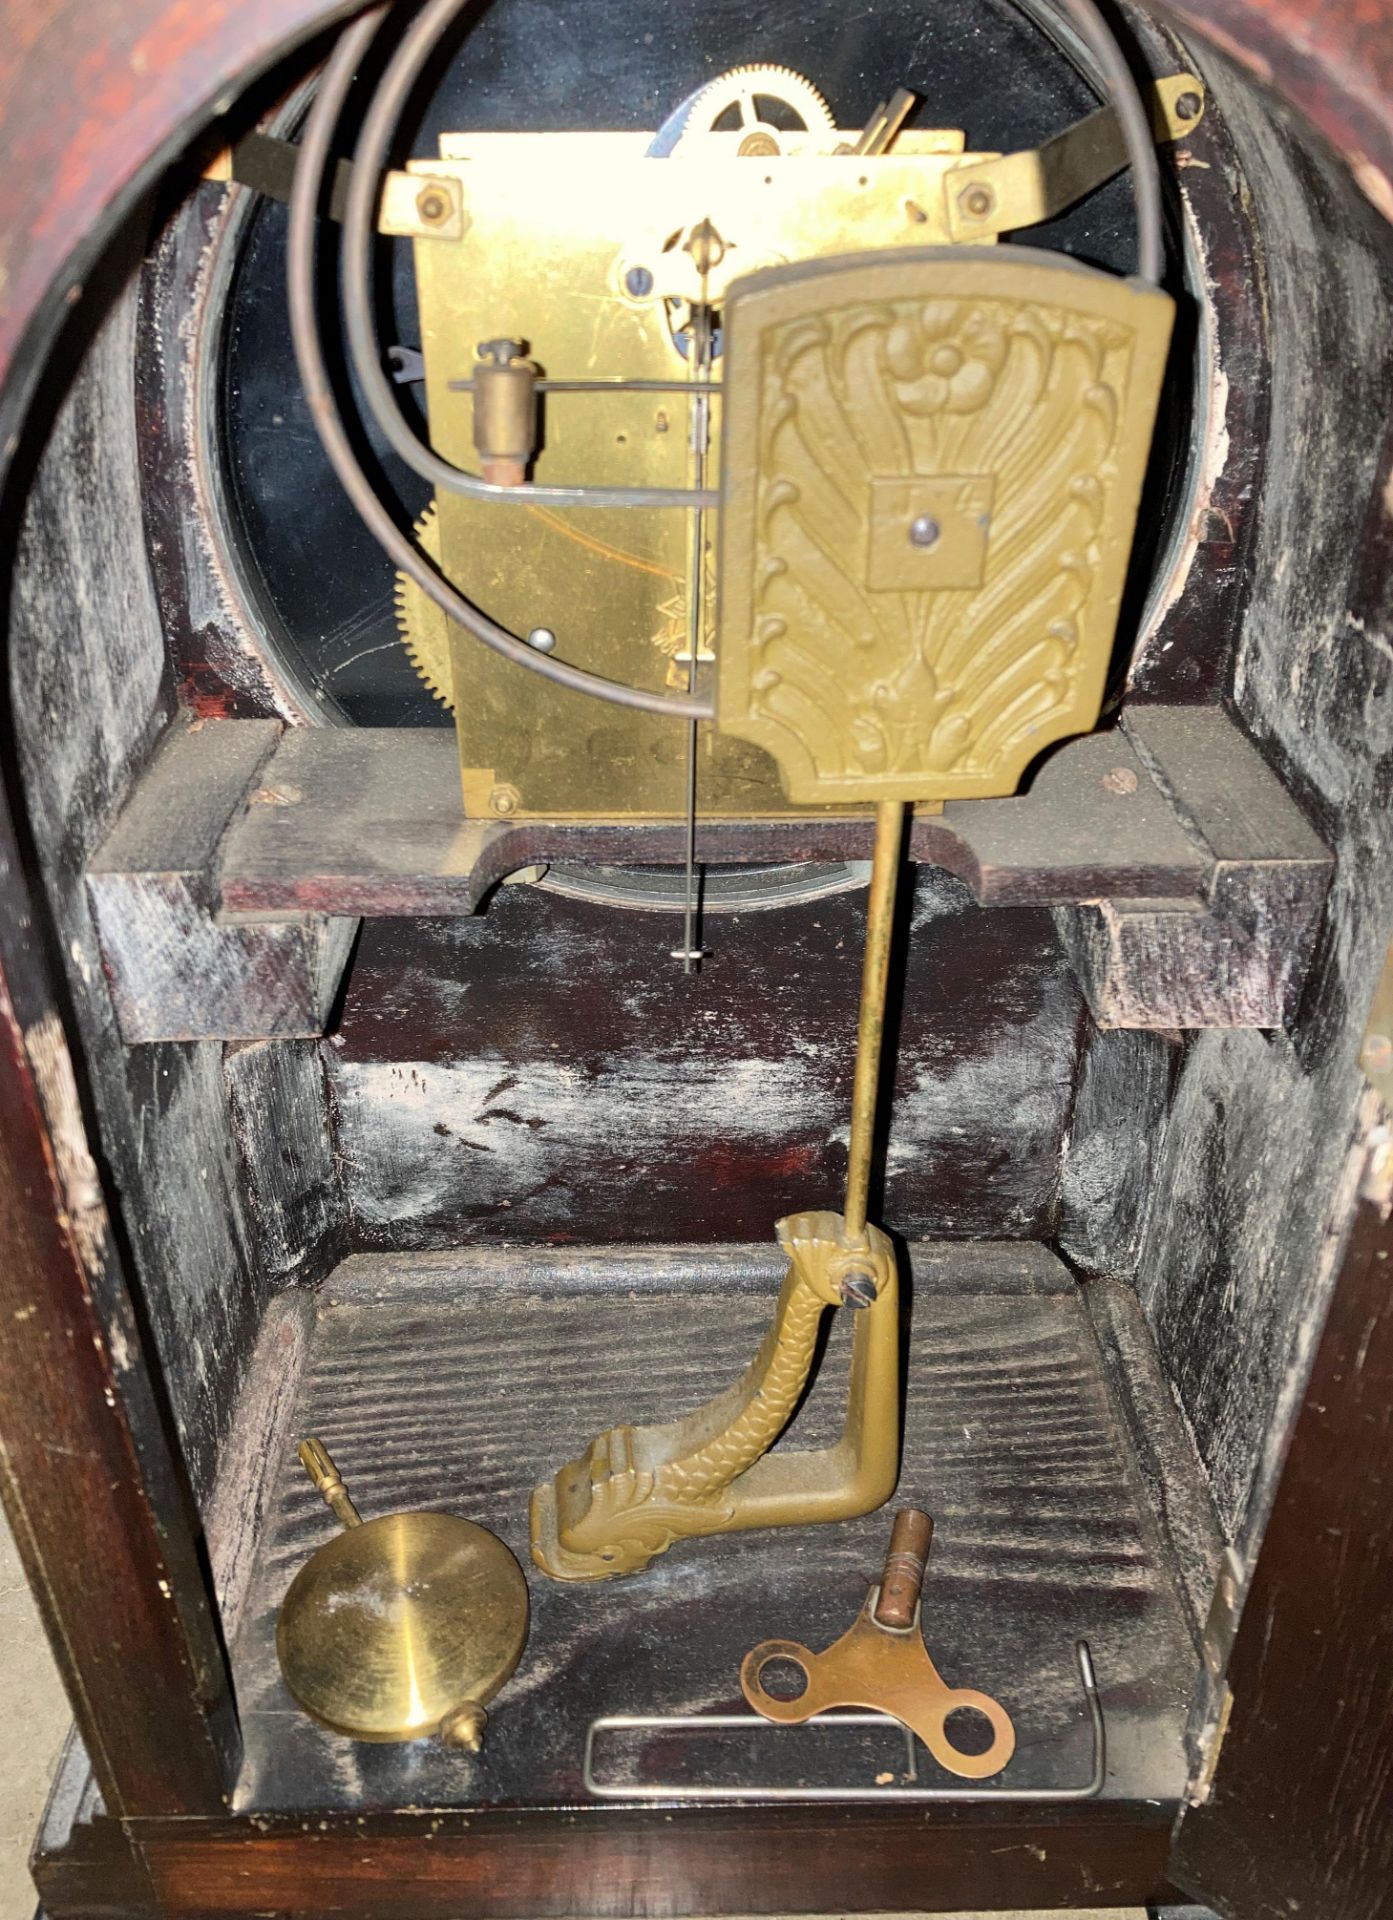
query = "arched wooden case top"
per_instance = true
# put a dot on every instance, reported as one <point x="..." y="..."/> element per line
<point x="930" y="475"/>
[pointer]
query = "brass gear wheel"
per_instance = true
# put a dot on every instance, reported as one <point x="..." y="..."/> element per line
<point x="424" y="630"/>
<point x="743" y="88"/>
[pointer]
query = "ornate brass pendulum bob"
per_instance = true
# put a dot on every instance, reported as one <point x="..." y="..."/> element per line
<point x="403" y="1626"/>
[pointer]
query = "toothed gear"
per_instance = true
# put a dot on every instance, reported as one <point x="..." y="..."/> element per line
<point x="743" y="88"/>
<point x="424" y="630"/>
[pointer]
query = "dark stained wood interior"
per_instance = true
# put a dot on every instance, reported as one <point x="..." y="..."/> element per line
<point x="546" y="1072"/>
<point x="1250" y="1185"/>
<point x="1269" y="1835"/>
<point x="455" y="1382"/>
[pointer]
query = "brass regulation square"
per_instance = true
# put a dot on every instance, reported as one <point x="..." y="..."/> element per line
<point x="928" y="531"/>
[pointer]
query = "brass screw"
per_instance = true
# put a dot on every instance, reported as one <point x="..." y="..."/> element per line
<point x="977" y="201"/>
<point x="1187" y="107"/>
<point x="433" y="206"/>
<point x="505" y="799"/>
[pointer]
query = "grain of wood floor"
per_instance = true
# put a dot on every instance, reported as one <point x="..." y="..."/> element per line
<point x="34" y="1719"/>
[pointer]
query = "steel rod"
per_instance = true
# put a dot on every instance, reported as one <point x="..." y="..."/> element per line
<point x="700" y="437"/>
<point x="616" y="385"/>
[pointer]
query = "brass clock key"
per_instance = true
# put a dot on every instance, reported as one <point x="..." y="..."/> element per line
<point x="881" y="1662"/>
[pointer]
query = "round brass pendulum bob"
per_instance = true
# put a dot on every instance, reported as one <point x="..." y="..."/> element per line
<point x="405" y="1626"/>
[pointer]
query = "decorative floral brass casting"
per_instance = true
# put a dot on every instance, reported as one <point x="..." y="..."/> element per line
<point x="932" y="466"/>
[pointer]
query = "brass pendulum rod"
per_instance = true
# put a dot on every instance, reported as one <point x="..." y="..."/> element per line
<point x="878" y="137"/>
<point x="314" y="1458"/>
<point x="636" y="1490"/>
<point x="870" y="1029"/>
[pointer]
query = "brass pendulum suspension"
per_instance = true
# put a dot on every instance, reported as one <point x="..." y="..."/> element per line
<point x="889" y="543"/>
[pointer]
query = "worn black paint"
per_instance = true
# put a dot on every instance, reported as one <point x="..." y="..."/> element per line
<point x="547" y="1071"/>
<point x="1249" y="1202"/>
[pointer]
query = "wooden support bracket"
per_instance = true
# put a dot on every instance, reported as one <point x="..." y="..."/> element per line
<point x="176" y="971"/>
<point x="1189" y="885"/>
<point x="1242" y="960"/>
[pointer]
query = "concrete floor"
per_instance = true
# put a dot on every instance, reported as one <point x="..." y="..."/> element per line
<point x="34" y="1719"/>
<point x="33" y="1723"/>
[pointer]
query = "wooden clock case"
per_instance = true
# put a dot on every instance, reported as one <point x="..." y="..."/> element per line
<point x="291" y="1131"/>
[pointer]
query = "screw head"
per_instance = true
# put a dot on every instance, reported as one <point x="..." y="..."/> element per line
<point x="924" y="531"/>
<point x="638" y="283"/>
<point x="433" y="206"/>
<point x="1187" y="107"/>
<point x="505" y="800"/>
<point x="543" y="639"/>
<point x="977" y="201"/>
<point x="858" y="1288"/>
<point x="1376" y="1054"/>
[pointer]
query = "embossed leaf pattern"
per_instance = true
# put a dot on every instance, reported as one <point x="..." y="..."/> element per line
<point x="954" y="681"/>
